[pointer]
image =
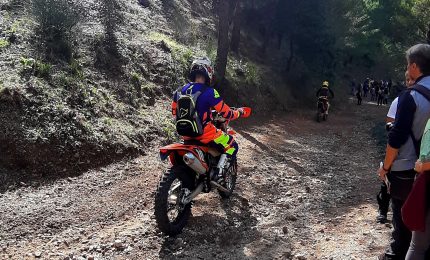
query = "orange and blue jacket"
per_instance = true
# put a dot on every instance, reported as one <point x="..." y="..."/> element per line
<point x="208" y="100"/>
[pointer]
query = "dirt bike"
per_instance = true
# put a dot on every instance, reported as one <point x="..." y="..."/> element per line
<point x="192" y="172"/>
<point x="322" y="106"/>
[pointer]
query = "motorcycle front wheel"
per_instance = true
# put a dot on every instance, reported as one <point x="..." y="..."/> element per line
<point x="230" y="180"/>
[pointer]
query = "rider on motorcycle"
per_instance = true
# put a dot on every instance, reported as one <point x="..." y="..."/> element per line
<point x="207" y="99"/>
<point x="323" y="94"/>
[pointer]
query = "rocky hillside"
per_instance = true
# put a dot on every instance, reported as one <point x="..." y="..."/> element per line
<point x="95" y="88"/>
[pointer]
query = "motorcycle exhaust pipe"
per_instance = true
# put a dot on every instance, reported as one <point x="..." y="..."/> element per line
<point x="194" y="194"/>
<point x="194" y="163"/>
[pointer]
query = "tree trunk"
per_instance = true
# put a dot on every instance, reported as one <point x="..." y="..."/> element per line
<point x="223" y="44"/>
<point x="235" y="34"/>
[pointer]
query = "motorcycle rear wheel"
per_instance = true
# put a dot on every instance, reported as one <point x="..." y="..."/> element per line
<point x="168" y="197"/>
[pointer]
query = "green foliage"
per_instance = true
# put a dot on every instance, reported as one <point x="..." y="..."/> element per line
<point x="135" y="79"/>
<point x="27" y="63"/>
<point x="42" y="70"/>
<point x="148" y="88"/>
<point x="136" y="82"/>
<point x="244" y="72"/>
<point x="34" y="67"/>
<point x="4" y="43"/>
<point x="12" y="31"/>
<point x="63" y="80"/>
<point x="169" y="130"/>
<point x="56" y="20"/>
<point x="180" y="53"/>
<point x="337" y="39"/>
<point x="75" y="68"/>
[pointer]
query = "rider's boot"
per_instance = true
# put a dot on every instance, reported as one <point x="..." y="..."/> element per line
<point x="222" y="164"/>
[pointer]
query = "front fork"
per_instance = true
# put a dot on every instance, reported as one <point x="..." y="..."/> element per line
<point x="206" y="184"/>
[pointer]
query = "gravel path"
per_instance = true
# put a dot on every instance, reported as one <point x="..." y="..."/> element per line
<point x="306" y="190"/>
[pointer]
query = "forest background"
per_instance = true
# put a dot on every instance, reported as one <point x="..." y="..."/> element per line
<point x="84" y="83"/>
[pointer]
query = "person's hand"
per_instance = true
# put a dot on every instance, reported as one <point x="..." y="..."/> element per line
<point x="241" y="111"/>
<point x="418" y="166"/>
<point x="382" y="173"/>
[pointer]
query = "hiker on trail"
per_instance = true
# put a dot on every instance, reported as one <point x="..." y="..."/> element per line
<point x="379" y="93"/>
<point x="324" y="92"/>
<point x="372" y="93"/>
<point x="206" y="99"/>
<point x="358" y="95"/>
<point x="401" y="153"/>
<point x="386" y="93"/>
<point x="389" y="85"/>
<point x="365" y="88"/>
<point x="383" y="196"/>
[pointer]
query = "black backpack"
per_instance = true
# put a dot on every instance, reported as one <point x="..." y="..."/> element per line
<point x="188" y="122"/>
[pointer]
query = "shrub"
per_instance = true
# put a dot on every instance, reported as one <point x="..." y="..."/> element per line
<point x="27" y="64"/>
<point x="55" y="21"/>
<point x="3" y="43"/>
<point x="34" y="67"/>
<point x="75" y="69"/>
<point x="136" y="82"/>
<point x="42" y="70"/>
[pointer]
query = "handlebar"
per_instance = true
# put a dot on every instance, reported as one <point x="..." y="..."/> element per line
<point x="222" y="123"/>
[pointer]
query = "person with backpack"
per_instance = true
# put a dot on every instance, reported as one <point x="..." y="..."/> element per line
<point x="383" y="196"/>
<point x="192" y="106"/>
<point x="403" y="145"/>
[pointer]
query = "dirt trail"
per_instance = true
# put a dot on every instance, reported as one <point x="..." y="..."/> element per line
<point x="306" y="190"/>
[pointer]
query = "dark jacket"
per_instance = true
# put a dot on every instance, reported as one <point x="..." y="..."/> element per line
<point x="324" y="92"/>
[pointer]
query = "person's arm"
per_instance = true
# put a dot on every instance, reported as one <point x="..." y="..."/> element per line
<point x="331" y="92"/>
<point x="421" y="167"/>
<point x="391" y="115"/>
<point x="400" y="132"/>
<point x="225" y="111"/>
<point x="221" y="107"/>
<point x="389" y="119"/>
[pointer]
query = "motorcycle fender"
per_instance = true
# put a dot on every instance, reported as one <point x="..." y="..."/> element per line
<point x="168" y="154"/>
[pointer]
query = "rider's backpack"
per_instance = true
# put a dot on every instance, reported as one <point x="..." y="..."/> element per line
<point x="188" y="122"/>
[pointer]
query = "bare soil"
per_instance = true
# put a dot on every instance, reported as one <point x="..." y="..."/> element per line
<point x="306" y="190"/>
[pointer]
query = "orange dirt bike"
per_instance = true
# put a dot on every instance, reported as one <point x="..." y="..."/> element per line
<point x="192" y="172"/>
